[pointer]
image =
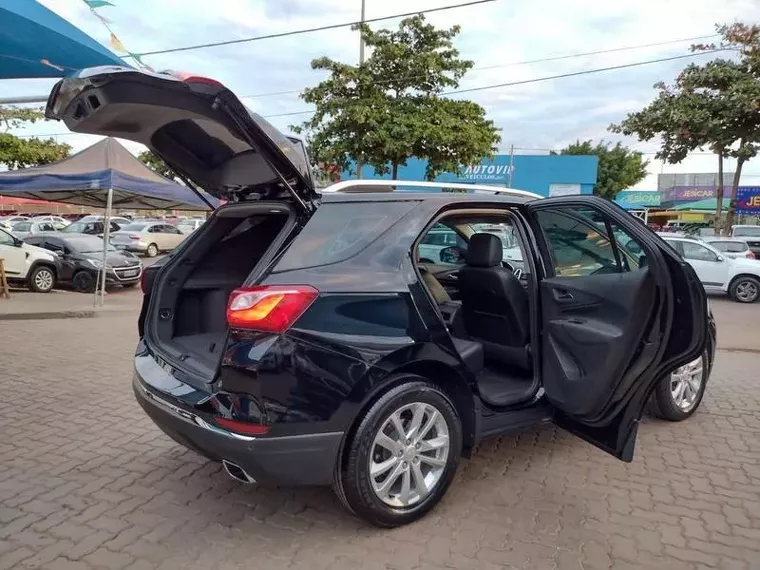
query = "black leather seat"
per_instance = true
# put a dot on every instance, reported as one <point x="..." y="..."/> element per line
<point x="495" y="305"/>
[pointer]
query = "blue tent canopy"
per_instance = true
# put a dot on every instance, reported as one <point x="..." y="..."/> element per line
<point x="85" y="179"/>
<point x="36" y="42"/>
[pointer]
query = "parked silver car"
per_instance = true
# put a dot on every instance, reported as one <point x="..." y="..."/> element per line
<point x="149" y="238"/>
<point x="23" y="230"/>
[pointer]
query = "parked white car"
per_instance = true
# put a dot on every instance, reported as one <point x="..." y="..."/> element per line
<point x="58" y="222"/>
<point x="739" y="277"/>
<point x="731" y="247"/>
<point x="7" y="222"/>
<point x="23" y="230"/>
<point x="33" y="266"/>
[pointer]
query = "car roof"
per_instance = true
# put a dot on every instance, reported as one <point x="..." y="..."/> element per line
<point x="442" y="197"/>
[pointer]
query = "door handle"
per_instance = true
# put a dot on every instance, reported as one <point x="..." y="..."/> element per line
<point x="563" y="296"/>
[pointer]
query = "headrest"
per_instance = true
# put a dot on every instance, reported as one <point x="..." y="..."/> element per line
<point x="484" y="250"/>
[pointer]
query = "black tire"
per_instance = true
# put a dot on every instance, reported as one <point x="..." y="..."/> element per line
<point x="83" y="282"/>
<point x="152" y="250"/>
<point x="42" y="279"/>
<point x="663" y="405"/>
<point x="745" y="289"/>
<point x="353" y="483"/>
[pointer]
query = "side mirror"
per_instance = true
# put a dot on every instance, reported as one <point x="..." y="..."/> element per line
<point x="452" y="255"/>
<point x="17" y="242"/>
<point x="721" y="258"/>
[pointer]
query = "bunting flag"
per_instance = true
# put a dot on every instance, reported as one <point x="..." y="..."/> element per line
<point x="139" y="60"/>
<point x="116" y="43"/>
<point x="96" y="3"/>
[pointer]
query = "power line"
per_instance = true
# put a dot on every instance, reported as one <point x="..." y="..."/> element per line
<point x="494" y="86"/>
<point x="516" y="63"/>
<point x="539" y="79"/>
<point x="311" y="30"/>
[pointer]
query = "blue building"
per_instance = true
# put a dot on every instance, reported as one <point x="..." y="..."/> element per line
<point x="547" y="175"/>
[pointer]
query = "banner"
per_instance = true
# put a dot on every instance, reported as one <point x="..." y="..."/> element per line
<point x="748" y="200"/>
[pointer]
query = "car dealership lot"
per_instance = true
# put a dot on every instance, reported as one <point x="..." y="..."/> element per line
<point x="87" y="481"/>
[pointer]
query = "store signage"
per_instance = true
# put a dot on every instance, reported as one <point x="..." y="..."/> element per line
<point x="487" y="171"/>
<point x="633" y="199"/>
<point x="748" y="200"/>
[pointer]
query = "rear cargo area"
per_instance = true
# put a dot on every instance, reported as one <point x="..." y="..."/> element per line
<point x="188" y="322"/>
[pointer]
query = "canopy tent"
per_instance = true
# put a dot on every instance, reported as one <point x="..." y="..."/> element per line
<point x="86" y="178"/>
<point x="36" y="42"/>
<point x="105" y="175"/>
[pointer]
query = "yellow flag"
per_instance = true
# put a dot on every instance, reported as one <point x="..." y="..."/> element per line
<point x="116" y="43"/>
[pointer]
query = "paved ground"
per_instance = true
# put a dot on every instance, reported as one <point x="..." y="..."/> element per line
<point x="87" y="482"/>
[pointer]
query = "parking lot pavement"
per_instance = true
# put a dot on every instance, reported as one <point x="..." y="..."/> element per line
<point x="87" y="482"/>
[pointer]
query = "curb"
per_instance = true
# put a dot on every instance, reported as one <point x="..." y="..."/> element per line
<point x="49" y="315"/>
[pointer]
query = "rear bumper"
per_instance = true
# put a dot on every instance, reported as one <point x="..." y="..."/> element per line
<point x="293" y="460"/>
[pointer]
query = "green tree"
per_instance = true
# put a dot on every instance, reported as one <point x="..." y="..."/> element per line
<point x="156" y="164"/>
<point x="714" y="106"/>
<point x="619" y="167"/>
<point x="17" y="152"/>
<point x="391" y="107"/>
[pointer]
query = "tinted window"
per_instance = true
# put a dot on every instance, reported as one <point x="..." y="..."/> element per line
<point x="752" y="231"/>
<point x="22" y="227"/>
<point x="339" y="231"/>
<point x="54" y="245"/>
<point x="580" y="243"/>
<point x="730" y="246"/>
<point x="697" y="252"/>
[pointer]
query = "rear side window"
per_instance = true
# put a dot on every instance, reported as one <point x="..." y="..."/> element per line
<point x="342" y="230"/>
<point x="730" y="246"/>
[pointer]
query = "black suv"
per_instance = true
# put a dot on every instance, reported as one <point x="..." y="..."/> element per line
<point x="296" y="338"/>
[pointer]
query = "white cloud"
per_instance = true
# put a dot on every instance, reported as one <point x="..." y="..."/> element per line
<point x="546" y="114"/>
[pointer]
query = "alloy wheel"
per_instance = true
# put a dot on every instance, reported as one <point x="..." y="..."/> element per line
<point x="686" y="384"/>
<point x="43" y="280"/>
<point x="408" y="455"/>
<point x="747" y="291"/>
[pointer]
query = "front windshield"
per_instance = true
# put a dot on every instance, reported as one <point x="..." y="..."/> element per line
<point x="88" y="244"/>
<point x="751" y="231"/>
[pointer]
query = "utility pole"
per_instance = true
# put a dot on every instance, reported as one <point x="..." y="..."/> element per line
<point x="511" y="165"/>
<point x="359" y="161"/>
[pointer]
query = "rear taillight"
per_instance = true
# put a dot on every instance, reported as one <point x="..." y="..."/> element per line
<point x="142" y="281"/>
<point x="750" y="255"/>
<point x="134" y="237"/>
<point x="269" y="308"/>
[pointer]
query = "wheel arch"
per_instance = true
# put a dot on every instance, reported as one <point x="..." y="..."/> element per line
<point x="43" y="263"/>
<point x="738" y="276"/>
<point x="453" y="384"/>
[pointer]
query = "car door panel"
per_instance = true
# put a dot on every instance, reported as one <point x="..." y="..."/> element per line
<point x="589" y="333"/>
<point x="611" y="328"/>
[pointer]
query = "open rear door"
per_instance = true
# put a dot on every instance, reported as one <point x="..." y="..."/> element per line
<point x="619" y="311"/>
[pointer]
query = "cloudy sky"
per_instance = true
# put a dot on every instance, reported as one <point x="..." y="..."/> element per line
<point x="496" y="35"/>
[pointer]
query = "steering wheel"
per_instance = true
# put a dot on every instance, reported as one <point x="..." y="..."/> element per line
<point x="507" y="265"/>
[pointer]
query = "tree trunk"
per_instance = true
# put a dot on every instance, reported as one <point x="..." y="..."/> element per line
<point x="719" y="195"/>
<point x="734" y="187"/>
<point x="395" y="171"/>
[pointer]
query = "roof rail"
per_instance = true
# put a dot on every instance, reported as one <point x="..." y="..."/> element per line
<point x="371" y="186"/>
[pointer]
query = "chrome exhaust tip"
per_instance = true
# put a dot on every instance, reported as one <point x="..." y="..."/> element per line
<point x="237" y="472"/>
